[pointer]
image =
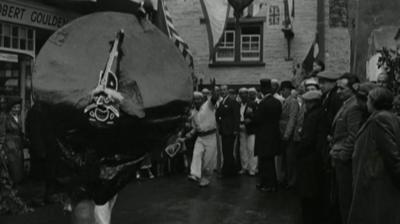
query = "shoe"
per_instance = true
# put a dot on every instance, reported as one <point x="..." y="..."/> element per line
<point x="204" y="182"/>
<point x="151" y="175"/>
<point x="242" y="171"/>
<point x="193" y="178"/>
<point x="252" y="173"/>
<point x="265" y="188"/>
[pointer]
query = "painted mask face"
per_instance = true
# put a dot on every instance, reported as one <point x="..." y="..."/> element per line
<point x="104" y="108"/>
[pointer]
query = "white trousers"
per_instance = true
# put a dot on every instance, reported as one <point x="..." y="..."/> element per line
<point x="204" y="156"/>
<point x="102" y="213"/>
<point x="86" y="212"/>
<point x="253" y="160"/>
<point x="244" y="152"/>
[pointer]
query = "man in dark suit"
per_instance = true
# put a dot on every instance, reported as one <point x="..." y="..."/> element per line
<point x="266" y="120"/>
<point x="228" y="119"/>
<point x="346" y="124"/>
<point x="331" y="104"/>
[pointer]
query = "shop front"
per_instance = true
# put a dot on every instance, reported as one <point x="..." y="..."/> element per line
<point x="24" y="28"/>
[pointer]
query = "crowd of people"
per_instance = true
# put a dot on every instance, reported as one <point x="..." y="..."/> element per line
<point x="333" y="139"/>
<point x="329" y="137"/>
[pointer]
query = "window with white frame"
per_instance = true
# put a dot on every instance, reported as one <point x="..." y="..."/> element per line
<point x="13" y="37"/>
<point x="226" y="47"/>
<point x="274" y="15"/>
<point x="250" y="49"/>
<point x="242" y="46"/>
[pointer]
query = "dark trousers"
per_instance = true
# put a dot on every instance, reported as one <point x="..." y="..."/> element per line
<point x="228" y="167"/>
<point x="344" y="183"/>
<point x="291" y="164"/>
<point x="267" y="172"/>
<point x="311" y="211"/>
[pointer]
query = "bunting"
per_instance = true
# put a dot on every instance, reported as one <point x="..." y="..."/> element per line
<point x="165" y="24"/>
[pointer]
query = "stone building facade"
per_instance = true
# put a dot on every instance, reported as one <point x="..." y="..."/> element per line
<point x="272" y="59"/>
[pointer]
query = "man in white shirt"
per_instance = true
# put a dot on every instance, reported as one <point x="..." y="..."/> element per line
<point x="244" y="157"/>
<point x="205" y="148"/>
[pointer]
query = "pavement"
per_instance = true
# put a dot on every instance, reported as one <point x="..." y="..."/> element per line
<point x="176" y="200"/>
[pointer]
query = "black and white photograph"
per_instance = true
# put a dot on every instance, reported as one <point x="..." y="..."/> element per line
<point x="199" y="112"/>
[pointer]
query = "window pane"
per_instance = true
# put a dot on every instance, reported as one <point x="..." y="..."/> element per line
<point x="30" y="45"/>
<point x="30" y="34"/>
<point x="255" y="38"/>
<point x="22" y="44"/>
<point x="245" y="46"/>
<point x="7" y="30"/>
<point x="245" y="39"/>
<point x="250" y="56"/>
<point x="22" y="33"/>
<point x="225" y="55"/>
<point x="15" y="31"/>
<point x="7" y="42"/>
<point x="254" y="47"/>
<point x="230" y="37"/>
<point x="15" y="43"/>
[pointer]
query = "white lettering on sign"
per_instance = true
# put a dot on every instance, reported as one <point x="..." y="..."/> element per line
<point x="45" y="18"/>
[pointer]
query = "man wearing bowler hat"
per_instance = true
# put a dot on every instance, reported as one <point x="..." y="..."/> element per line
<point x="267" y="144"/>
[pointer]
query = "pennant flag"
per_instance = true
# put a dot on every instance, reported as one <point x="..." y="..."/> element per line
<point x="215" y="12"/>
<point x="289" y="14"/>
<point x="312" y="55"/>
<point x="164" y="22"/>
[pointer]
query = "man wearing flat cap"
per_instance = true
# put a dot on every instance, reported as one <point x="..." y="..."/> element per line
<point x="308" y="159"/>
<point x="331" y="104"/>
<point x="267" y="144"/>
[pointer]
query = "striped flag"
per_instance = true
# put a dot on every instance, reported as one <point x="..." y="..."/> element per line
<point x="164" y="22"/>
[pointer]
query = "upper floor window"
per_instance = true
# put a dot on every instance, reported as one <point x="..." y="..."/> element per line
<point x="274" y="15"/>
<point x="242" y="46"/>
<point x="250" y="44"/>
<point x="19" y="38"/>
<point x="226" y="48"/>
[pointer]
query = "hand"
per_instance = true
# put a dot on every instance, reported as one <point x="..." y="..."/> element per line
<point x="181" y="140"/>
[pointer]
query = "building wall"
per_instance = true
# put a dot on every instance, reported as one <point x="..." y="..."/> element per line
<point x="337" y="40"/>
<point x="186" y="16"/>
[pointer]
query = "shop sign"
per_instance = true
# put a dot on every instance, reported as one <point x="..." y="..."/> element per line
<point x="33" y="15"/>
<point x="9" y="57"/>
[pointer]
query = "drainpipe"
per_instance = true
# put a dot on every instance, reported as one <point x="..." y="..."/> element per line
<point x="321" y="29"/>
